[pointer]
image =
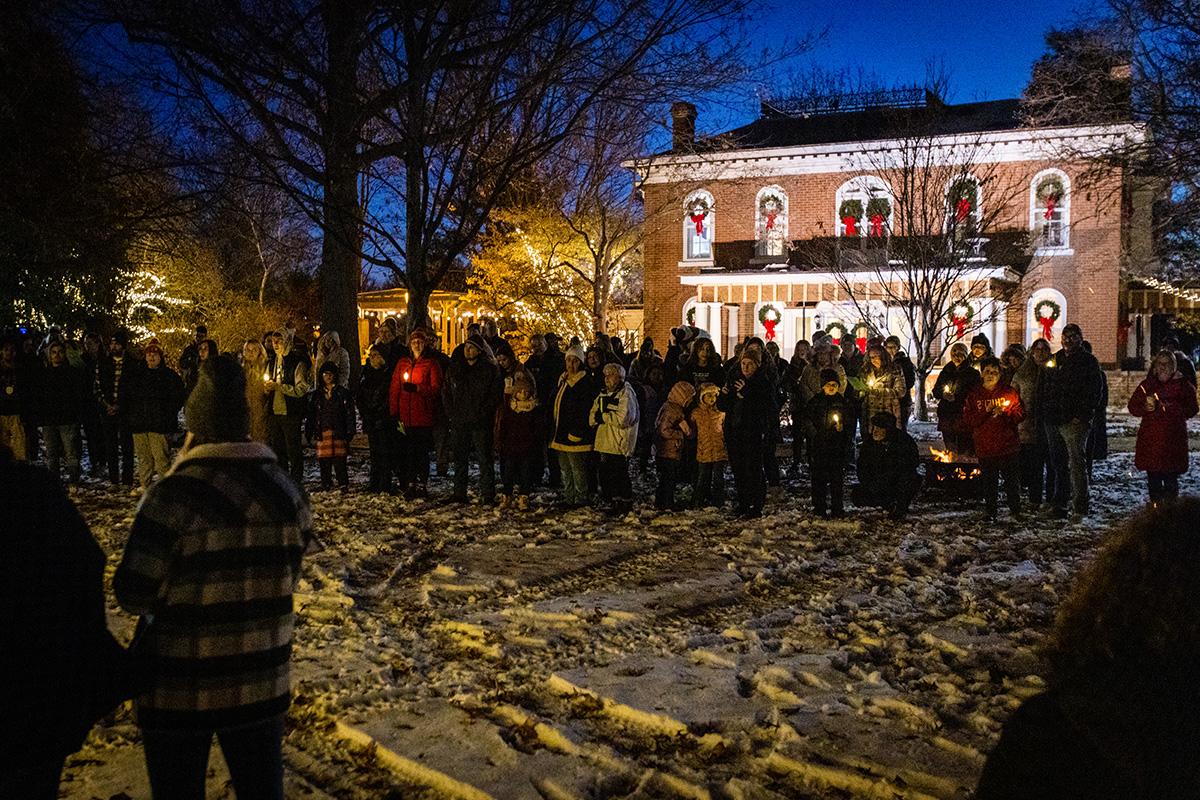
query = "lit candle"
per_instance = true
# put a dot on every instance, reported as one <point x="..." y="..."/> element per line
<point x="266" y="376"/>
<point x="1050" y="363"/>
<point x="406" y="377"/>
<point x="835" y="418"/>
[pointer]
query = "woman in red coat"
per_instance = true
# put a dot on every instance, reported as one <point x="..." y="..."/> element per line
<point x="413" y="401"/>
<point x="1165" y="402"/>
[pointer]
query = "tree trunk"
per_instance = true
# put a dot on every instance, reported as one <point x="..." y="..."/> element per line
<point x="418" y="302"/>
<point x="340" y="209"/>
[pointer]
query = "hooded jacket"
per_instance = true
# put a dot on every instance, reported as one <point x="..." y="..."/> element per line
<point x="709" y="422"/>
<point x="883" y="388"/>
<point x="417" y="408"/>
<point x="155" y="398"/>
<point x="747" y="413"/>
<point x="329" y="348"/>
<point x="1072" y="387"/>
<point x="669" y="432"/>
<point x="615" y="417"/>
<point x="1027" y="380"/>
<point x="473" y="391"/>
<point x="953" y="385"/>
<point x="573" y="432"/>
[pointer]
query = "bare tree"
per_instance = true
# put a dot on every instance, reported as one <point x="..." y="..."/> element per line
<point x="922" y="236"/>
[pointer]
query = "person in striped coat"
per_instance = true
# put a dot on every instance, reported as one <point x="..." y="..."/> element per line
<point x="211" y="563"/>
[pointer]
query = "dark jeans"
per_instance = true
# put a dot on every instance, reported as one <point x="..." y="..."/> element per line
<point x="668" y="475"/>
<point x="614" y="477"/>
<point x="1034" y="468"/>
<point x="479" y="441"/>
<point x="413" y="450"/>
<point x="796" y="411"/>
<point x="828" y="485"/>
<point x="118" y="445"/>
<point x="519" y="471"/>
<point x="283" y="431"/>
<point x="770" y="452"/>
<point x="1163" y="485"/>
<point x="993" y="469"/>
<point x="749" y="477"/>
<point x="93" y="431"/>
<point x="380" y="443"/>
<point x="710" y="484"/>
<point x="177" y="760"/>
<point x="1068" y="457"/>
<point x="329" y="466"/>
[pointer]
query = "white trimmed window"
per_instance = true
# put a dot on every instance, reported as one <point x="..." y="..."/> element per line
<point x="864" y="207"/>
<point x="964" y="205"/>
<point x="699" y="217"/>
<point x="1050" y="210"/>
<point x="771" y="221"/>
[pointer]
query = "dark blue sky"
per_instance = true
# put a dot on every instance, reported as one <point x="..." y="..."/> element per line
<point x="987" y="47"/>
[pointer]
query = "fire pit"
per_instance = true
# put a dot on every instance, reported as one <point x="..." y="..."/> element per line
<point x="954" y="474"/>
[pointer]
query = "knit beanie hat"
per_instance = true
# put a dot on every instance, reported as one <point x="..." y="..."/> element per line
<point x="152" y="347"/>
<point x="577" y="352"/>
<point x="216" y="410"/>
<point x="830" y="376"/>
<point x="981" y="338"/>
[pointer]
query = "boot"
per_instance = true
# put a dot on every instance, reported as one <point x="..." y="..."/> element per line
<point x="522" y="502"/>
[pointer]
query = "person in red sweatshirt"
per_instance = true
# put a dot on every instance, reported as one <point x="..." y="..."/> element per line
<point x="1165" y="401"/>
<point x="992" y="412"/>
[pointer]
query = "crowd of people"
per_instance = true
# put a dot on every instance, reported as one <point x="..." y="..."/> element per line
<point x="577" y="420"/>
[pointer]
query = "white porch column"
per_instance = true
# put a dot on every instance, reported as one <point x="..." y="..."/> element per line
<point x="701" y="315"/>
<point x="999" y="328"/>
<point x="734" y="333"/>
<point x="714" y="323"/>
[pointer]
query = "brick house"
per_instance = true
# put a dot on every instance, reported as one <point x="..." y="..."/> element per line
<point x="741" y="210"/>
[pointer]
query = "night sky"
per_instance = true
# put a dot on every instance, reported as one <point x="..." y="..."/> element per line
<point x="986" y="47"/>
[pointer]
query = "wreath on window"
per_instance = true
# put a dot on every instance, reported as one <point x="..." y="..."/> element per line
<point x="1047" y="312"/>
<point x="961" y="314"/>
<point x="691" y="316"/>
<point x="964" y="198"/>
<point x="851" y="212"/>
<point x="1050" y="192"/>
<point x="878" y="210"/>
<point x="837" y="331"/>
<point x="698" y="212"/>
<point x="769" y="316"/>
<point x="770" y="206"/>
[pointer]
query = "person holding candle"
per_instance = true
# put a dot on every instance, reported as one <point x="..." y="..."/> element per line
<point x="254" y="368"/>
<point x="372" y="398"/>
<point x="331" y="426"/>
<point x="414" y="401"/>
<point x="286" y="389"/>
<point x="827" y="426"/>
<point x="992" y="413"/>
<point x="746" y="398"/>
<point x="1071" y="395"/>
<point x="152" y="412"/>
<point x="1164" y="401"/>
<point x="953" y="384"/>
<point x="883" y="385"/>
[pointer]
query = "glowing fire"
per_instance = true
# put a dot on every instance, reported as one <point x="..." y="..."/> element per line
<point x="944" y="456"/>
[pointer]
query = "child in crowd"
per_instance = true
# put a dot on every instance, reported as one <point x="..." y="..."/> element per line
<point x="331" y="426"/>
<point x="827" y="424"/>
<point x="615" y="418"/>
<point x="709" y="422"/>
<point x="519" y="436"/>
<point x="671" y="430"/>
<point x="373" y="404"/>
<point x="992" y="413"/>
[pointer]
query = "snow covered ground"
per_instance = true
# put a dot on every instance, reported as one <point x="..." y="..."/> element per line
<point x="470" y="653"/>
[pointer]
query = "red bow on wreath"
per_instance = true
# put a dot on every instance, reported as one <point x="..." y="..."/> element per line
<point x="962" y="209"/>
<point x="877" y="224"/>
<point x="769" y="325"/>
<point x="771" y="221"/>
<point x="1051" y="202"/>
<point x="861" y="343"/>
<point x="851" y="224"/>
<point x="1047" y="327"/>
<point x="960" y="324"/>
<point x="698" y="219"/>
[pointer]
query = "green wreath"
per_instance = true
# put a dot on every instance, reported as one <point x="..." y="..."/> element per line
<point x="964" y="306"/>
<point x="836" y="326"/>
<point x="775" y="317"/>
<point x="851" y="208"/>
<point x="690" y="317"/>
<point x="1055" y="311"/>
<point x="965" y="189"/>
<point x="880" y="206"/>
<point x="1051" y="187"/>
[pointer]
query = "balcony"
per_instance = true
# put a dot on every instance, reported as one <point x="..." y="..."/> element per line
<point x="1012" y="248"/>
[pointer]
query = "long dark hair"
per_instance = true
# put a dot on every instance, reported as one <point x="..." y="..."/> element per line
<point x="1134" y="608"/>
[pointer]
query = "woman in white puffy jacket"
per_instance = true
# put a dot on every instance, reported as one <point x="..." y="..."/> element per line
<point x="615" y="418"/>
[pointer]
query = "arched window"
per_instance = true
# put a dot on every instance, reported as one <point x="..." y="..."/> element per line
<point x="1050" y="210"/>
<point x="698" y="226"/>
<point x="964" y="205"/>
<point x="771" y="221"/>
<point x="864" y="207"/>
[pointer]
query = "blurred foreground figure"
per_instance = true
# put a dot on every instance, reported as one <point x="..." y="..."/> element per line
<point x="1121" y="718"/>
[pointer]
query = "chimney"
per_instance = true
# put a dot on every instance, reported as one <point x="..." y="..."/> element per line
<point x="683" y="126"/>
